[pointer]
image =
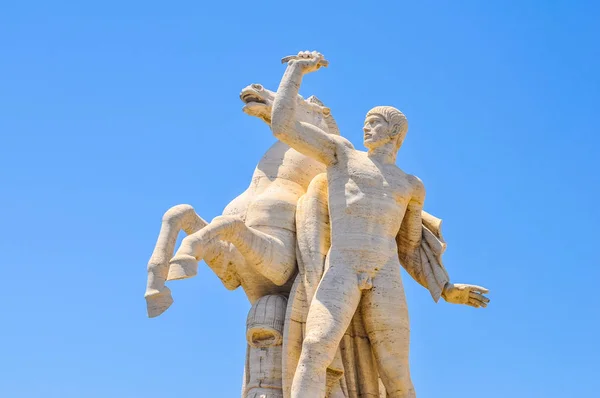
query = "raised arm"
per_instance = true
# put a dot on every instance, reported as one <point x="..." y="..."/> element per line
<point x="303" y="137"/>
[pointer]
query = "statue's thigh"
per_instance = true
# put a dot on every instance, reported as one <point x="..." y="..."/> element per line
<point x="334" y="304"/>
<point x="285" y="236"/>
<point x="384" y="308"/>
<point x="385" y="317"/>
<point x="281" y="244"/>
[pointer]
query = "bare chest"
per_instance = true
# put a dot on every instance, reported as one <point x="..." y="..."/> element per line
<point x="365" y="180"/>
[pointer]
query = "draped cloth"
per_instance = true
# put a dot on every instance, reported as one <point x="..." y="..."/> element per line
<point x="353" y="372"/>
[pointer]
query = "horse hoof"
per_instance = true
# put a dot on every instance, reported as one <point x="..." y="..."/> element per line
<point x="182" y="267"/>
<point x="158" y="302"/>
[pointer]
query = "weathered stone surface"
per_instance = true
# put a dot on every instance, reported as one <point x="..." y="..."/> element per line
<point x="264" y="332"/>
<point x="253" y="243"/>
<point x="375" y="223"/>
<point x="316" y="242"/>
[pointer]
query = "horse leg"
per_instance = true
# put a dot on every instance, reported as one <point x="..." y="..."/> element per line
<point x="272" y="254"/>
<point x="224" y="260"/>
<point x="177" y="218"/>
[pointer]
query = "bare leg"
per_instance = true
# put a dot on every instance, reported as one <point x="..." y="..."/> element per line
<point x="386" y="321"/>
<point x="313" y="233"/>
<point x="158" y="296"/>
<point x="331" y="311"/>
<point x="273" y="254"/>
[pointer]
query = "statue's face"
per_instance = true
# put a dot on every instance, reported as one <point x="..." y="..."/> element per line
<point x="259" y="103"/>
<point x="377" y="131"/>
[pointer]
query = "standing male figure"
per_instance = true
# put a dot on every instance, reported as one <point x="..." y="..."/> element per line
<point x="373" y="206"/>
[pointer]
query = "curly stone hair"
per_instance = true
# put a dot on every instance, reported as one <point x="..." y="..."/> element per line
<point x="396" y="119"/>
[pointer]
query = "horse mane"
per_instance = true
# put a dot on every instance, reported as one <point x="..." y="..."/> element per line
<point x="329" y="120"/>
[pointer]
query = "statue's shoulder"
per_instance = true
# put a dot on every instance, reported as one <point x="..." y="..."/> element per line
<point x="417" y="186"/>
<point x="342" y="142"/>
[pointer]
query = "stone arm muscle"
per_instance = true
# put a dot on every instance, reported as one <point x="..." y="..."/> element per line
<point x="308" y="140"/>
<point x="303" y="137"/>
<point x="410" y="234"/>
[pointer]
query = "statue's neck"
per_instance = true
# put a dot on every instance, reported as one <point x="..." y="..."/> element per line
<point x="385" y="154"/>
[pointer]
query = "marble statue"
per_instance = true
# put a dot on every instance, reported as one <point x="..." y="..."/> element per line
<point x="253" y="243"/>
<point x="375" y="212"/>
<point x="316" y="242"/>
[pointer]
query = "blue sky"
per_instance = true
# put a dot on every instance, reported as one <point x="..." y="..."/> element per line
<point x="114" y="111"/>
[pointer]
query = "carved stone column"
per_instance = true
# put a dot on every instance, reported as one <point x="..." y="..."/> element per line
<point x="264" y="332"/>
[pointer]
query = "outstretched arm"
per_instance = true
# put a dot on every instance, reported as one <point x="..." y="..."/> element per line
<point x="430" y="275"/>
<point x="303" y="137"/>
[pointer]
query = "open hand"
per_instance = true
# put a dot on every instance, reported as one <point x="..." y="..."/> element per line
<point x="465" y="294"/>
<point x="308" y="61"/>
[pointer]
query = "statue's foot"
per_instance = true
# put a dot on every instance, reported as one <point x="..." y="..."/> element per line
<point x="182" y="266"/>
<point x="158" y="302"/>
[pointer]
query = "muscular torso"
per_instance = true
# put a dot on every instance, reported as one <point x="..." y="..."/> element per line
<point x="367" y="202"/>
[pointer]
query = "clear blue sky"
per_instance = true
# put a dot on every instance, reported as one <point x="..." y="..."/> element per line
<point x="114" y="111"/>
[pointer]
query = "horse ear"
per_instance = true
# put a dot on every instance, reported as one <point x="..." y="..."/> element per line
<point x="314" y="100"/>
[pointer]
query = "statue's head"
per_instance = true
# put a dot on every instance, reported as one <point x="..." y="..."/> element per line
<point x="384" y="124"/>
<point x="259" y="103"/>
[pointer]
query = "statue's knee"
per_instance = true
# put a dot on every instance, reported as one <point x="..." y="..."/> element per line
<point x="397" y="380"/>
<point x="188" y="243"/>
<point x="227" y="223"/>
<point x="317" y="353"/>
<point x="176" y="212"/>
<point x="234" y="220"/>
<point x="405" y="391"/>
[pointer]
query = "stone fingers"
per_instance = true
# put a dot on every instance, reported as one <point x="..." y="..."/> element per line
<point x="478" y="300"/>
<point x="478" y="289"/>
<point x="479" y="296"/>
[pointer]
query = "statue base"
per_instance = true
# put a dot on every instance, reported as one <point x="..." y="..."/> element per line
<point x="264" y="333"/>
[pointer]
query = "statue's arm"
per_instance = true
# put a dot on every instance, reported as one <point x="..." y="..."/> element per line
<point x="425" y="268"/>
<point x="303" y="137"/>
<point x="410" y="234"/>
